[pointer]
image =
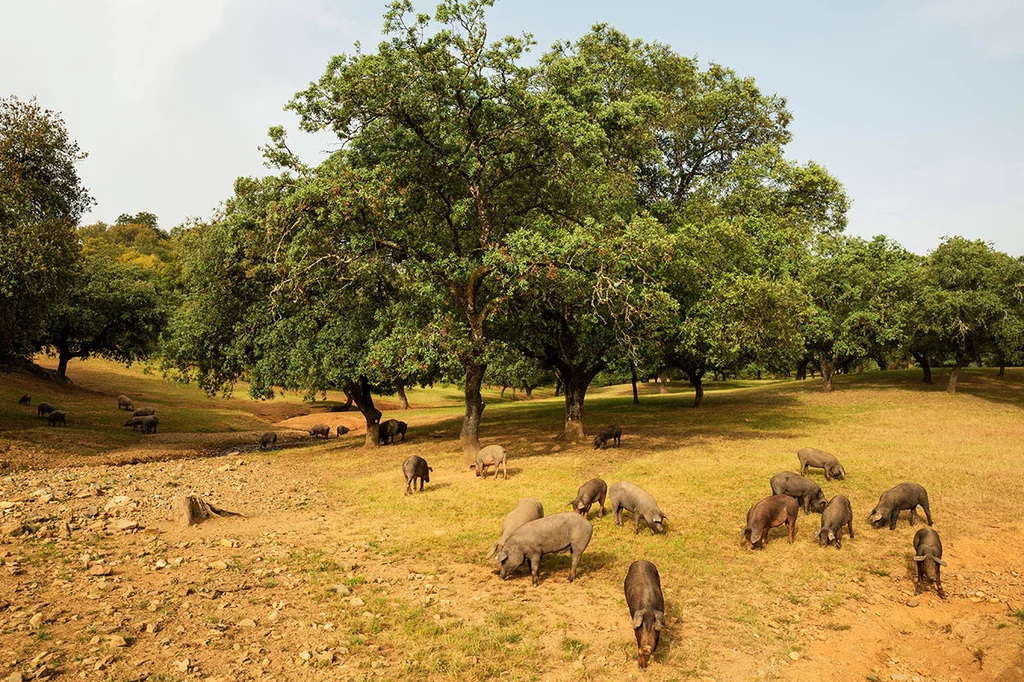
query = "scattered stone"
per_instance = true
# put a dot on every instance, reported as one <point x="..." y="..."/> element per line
<point x="116" y="641"/>
<point x="793" y="655"/>
<point x="15" y="677"/>
<point x="12" y="528"/>
<point x="36" y="621"/>
<point x="356" y="601"/>
<point x="913" y="602"/>
<point x="247" y="623"/>
<point x="218" y="565"/>
<point x="342" y="590"/>
<point x="305" y="655"/>
<point x="125" y="524"/>
<point x="100" y="570"/>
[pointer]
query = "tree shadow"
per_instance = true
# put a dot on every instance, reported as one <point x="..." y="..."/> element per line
<point x="977" y="382"/>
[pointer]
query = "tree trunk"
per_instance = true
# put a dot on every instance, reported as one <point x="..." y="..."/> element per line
<point x="1002" y="368"/>
<point x="360" y="395"/>
<point x="663" y="382"/>
<point x="758" y="375"/>
<point x="470" y="435"/>
<point x="828" y="369"/>
<point x="697" y="381"/>
<point x="403" y="401"/>
<point x="62" y="366"/>
<point x="922" y="359"/>
<point x="529" y="392"/>
<point x="632" y="379"/>
<point x="503" y="389"/>
<point x="801" y="370"/>
<point x="954" y="374"/>
<point x="577" y="382"/>
<point x="558" y="386"/>
<point x="348" y="404"/>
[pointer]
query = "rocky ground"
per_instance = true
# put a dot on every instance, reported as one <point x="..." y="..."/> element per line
<point x="98" y="583"/>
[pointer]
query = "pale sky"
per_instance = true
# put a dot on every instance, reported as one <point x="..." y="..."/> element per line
<point x="917" y="106"/>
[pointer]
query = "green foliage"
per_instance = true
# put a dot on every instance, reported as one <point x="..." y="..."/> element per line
<point x="110" y="309"/>
<point x="139" y="243"/>
<point x="971" y="301"/>
<point x="862" y="295"/>
<point x="41" y="200"/>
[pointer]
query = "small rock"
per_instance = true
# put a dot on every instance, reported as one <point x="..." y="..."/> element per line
<point x="100" y="570"/>
<point x="305" y="655"/>
<point x="12" y="528"/>
<point x="793" y="655"/>
<point x="356" y="601"/>
<point x="182" y="665"/>
<point x="326" y="658"/>
<point x="116" y="641"/>
<point x="913" y="602"/>
<point x="218" y="565"/>
<point x="125" y="524"/>
<point x="228" y="542"/>
<point x="247" y="623"/>
<point x="36" y="621"/>
<point x="343" y="590"/>
<point x="900" y="677"/>
<point x="15" y="677"/>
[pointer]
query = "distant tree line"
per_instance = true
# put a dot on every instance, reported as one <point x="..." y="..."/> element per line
<point x="613" y="209"/>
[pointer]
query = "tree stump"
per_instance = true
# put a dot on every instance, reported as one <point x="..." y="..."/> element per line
<point x="188" y="510"/>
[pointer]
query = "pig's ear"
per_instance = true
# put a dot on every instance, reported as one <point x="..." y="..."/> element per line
<point x="664" y="518"/>
<point x="638" y="618"/>
<point x="571" y="504"/>
<point x="659" y="620"/>
<point x="940" y="562"/>
<point x="430" y="468"/>
<point x="494" y="548"/>
<point x="831" y="536"/>
<point x="875" y="516"/>
<point x="501" y="556"/>
<point x="920" y="558"/>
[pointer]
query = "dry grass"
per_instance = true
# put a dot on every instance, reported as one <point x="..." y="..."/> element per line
<point x="733" y="614"/>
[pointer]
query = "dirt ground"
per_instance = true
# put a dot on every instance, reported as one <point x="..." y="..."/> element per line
<point x="97" y="584"/>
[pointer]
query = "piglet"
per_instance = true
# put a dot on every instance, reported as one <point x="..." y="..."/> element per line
<point x="646" y="608"/>
<point x="634" y="499"/>
<point x="837" y="514"/>
<point x="928" y="555"/>
<point x="590" y="492"/>
<point x="768" y="513"/>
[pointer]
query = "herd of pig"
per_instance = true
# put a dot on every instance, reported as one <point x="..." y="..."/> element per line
<point x="792" y="491"/>
<point x="143" y="418"/>
<point x="527" y="535"/>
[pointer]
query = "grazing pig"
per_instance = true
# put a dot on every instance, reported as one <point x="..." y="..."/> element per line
<point x="534" y="539"/>
<point x="25" y="400"/>
<point x="813" y="457"/>
<point x="148" y="424"/>
<point x="342" y="430"/>
<point x="528" y="509"/>
<point x="415" y="467"/>
<point x="590" y="492"/>
<point x="896" y="499"/>
<point x="837" y="514"/>
<point x="640" y="503"/>
<point x="609" y="433"/>
<point x="58" y="417"/>
<point x="320" y="431"/>
<point x="492" y="455"/>
<point x="134" y="422"/>
<point x="646" y="608"/>
<point x="144" y="412"/>
<point x="386" y="432"/>
<point x="268" y="439"/>
<point x="125" y="402"/>
<point x="767" y="514"/>
<point x="807" y="492"/>
<point x="43" y="409"/>
<point x="928" y="555"/>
